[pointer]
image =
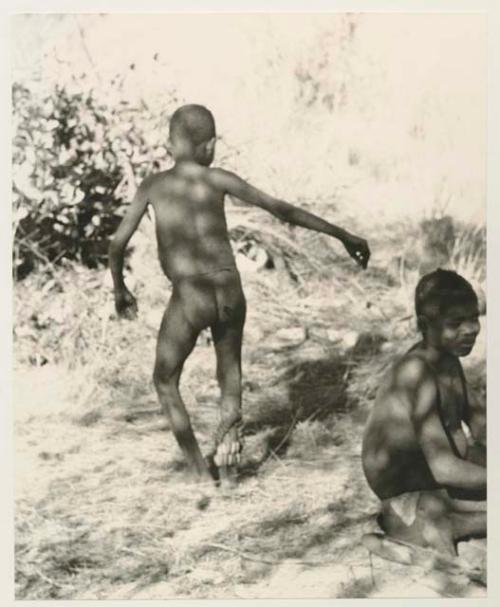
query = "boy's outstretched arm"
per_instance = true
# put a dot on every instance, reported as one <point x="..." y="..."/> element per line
<point x="232" y="184"/>
<point x="448" y="470"/>
<point x="125" y="302"/>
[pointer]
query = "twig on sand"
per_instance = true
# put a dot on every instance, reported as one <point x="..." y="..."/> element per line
<point x="371" y="569"/>
<point x="282" y="441"/>
<point x="269" y="561"/>
<point x="274" y="452"/>
<point x="404" y="318"/>
<point x="134" y="552"/>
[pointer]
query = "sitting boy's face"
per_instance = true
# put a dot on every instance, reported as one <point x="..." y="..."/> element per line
<point x="456" y="329"/>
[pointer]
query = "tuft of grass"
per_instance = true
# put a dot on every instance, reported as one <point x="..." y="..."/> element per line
<point x="309" y="438"/>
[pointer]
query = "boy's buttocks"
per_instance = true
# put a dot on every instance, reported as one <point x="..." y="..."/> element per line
<point x="215" y="296"/>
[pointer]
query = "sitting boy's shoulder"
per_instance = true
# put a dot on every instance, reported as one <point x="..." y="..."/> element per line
<point x="411" y="370"/>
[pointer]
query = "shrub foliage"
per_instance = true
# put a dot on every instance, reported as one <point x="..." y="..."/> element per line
<point x="75" y="161"/>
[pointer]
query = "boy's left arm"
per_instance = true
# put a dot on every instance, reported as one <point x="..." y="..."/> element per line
<point x="474" y="427"/>
<point x="356" y="247"/>
<point x="125" y="302"/>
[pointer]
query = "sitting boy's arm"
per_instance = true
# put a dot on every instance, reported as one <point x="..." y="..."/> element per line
<point x="234" y="185"/>
<point x="473" y="414"/>
<point x="474" y="427"/>
<point x="125" y="302"/>
<point x="447" y="469"/>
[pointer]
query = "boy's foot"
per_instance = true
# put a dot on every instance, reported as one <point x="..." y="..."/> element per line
<point x="224" y="476"/>
<point x="200" y="475"/>
<point x="227" y="457"/>
<point x="228" y="477"/>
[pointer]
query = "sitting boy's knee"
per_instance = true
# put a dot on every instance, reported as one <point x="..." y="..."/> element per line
<point x="433" y="505"/>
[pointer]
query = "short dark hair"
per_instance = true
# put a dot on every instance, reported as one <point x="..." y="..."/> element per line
<point x="438" y="290"/>
<point x="192" y="122"/>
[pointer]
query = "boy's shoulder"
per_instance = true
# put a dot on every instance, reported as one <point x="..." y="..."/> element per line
<point x="218" y="171"/>
<point x="154" y="178"/>
<point x="217" y="177"/>
<point x="411" y="370"/>
<point x="220" y="177"/>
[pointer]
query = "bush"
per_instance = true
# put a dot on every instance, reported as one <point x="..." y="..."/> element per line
<point x="74" y="165"/>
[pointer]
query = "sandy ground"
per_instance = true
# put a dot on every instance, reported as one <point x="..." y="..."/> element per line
<point x="102" y="512"/>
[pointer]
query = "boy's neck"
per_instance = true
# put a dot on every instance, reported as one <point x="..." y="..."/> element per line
<point x="185" y="162"/>
<point x="434" y="354"/>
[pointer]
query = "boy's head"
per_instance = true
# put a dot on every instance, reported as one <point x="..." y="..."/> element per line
<point x="192" y="134"/>
<point x="447" y="311"/>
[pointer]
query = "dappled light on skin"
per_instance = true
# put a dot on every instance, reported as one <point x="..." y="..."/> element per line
<point x="415" y="450"/>
<point x="190" y="226"/>
<point x="410" y="373"/>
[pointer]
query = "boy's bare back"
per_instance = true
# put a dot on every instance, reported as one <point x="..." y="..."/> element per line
<point x="190" y="221"/>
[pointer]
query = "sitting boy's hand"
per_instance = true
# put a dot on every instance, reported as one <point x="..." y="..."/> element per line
<point x="126" y="304"/>
<point x="358" y="249"/>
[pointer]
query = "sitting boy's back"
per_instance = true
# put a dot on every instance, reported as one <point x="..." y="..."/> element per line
<point x="393" y="460"/>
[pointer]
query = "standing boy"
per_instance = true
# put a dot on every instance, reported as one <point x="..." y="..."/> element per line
<point x="419" y="455"/>
<point x="196" y="255"/>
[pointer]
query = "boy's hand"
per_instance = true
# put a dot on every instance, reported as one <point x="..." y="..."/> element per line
<point x="358" y="249"/>
<point x="125" y="304"/>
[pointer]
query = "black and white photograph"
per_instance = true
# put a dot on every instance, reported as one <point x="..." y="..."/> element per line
<point x="249" y="304"/>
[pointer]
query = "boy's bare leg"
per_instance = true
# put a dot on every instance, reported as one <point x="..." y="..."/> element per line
<point x="468" y="518"/>
<point x="431" y="527"/>
<point x="176" y="340"/>
<point x="469" y="525"/>
<point x="228" y="338"/>
<point x="439" y="523"/>
<point x="477" y="454"/>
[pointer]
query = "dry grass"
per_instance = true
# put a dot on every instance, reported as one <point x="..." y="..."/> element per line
<point x="101" y="507"/>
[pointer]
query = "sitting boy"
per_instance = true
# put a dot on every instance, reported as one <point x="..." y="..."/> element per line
<point x="195" y="254"/>
<point x="417" y="447"/>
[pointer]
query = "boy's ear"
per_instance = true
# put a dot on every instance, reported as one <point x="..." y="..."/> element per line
<point x="210" y="144"/>
<point x="422" y="322"/>
<point x="169" y="145"/>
